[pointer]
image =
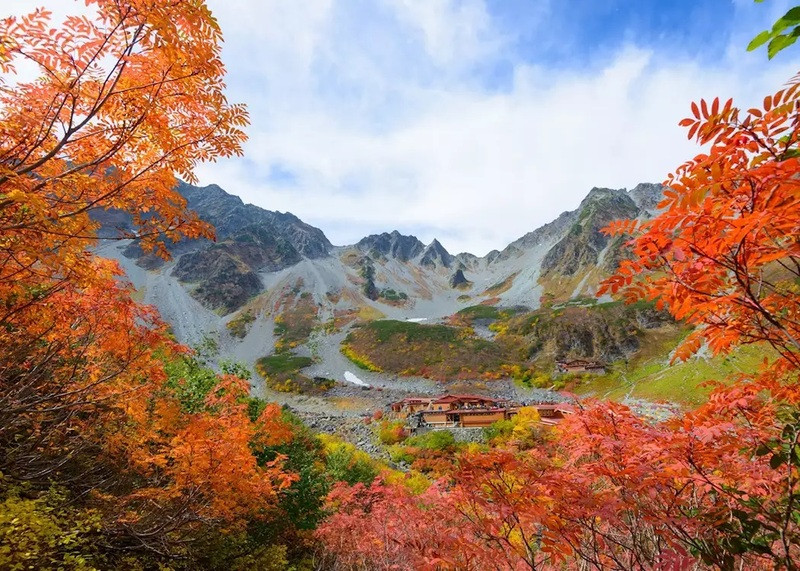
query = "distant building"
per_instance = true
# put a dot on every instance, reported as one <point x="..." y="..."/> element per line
<point x="456" y="410"/>
<point x="411" y="405"/>
<point x="580" y="366"/>
<point x="551" y="414"/>
<point x="470" y="411"/>
<point x="467" y="418"/>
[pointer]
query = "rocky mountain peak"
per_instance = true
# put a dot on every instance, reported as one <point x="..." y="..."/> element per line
<point x="435" y="256"/>
<point x="647" y="195"/>
<point x="584" y="242"/>
<point x="602" y="195"/>
<point x="392" y="245"/>
<point x="229" y="215"/>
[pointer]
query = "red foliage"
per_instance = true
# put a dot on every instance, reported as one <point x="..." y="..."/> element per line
<point x="716" y="488"/>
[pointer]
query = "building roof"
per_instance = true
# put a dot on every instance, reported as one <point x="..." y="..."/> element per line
<point x="563" y="407"/>
<point x="452" y="398"/>
<point x="447" y="398"/>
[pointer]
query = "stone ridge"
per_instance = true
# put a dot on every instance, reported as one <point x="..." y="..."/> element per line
<point x="392" y="245"/>
<point x="435" y="255"/>
<point x="647" y="195"/>
<point x="229" y="215"/>
<point x="584" y="241"/>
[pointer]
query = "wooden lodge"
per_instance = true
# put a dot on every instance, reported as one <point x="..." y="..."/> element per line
<point x="462" y="411"/>
<point x="470" y="411"/>
<point x="580" y="366"/>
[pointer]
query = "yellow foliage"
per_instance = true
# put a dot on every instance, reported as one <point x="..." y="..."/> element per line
<point x="360" y="360"/>
<point x="46" y="533"/>
<point x="524" y="419"/>
<point x="415" y="482"/>
<point x="369" y="313"/>
<point x="527" y="431"/>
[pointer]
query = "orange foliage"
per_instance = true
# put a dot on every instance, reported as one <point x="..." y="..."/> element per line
<point x="724" y="253"/>
<point x="123" y="101"/>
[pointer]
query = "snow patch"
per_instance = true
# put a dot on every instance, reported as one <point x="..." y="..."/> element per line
<point x="351" y="378"/>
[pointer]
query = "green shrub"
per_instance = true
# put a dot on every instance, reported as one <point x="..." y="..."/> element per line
<point x="392" y="295"/>
<point x="391" y="432"/>
<point x="386" y="328"/>
<point x="238" y="326"/>
<point x="345" y="463"/>
<point x="500" y="430"/>
<point x="399" y="454"/>
<point x="282" y="363"/>
<point x="440" y="440"/>
<point x="480" y="312"/>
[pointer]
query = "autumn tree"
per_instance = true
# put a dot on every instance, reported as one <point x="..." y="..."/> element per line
<point x="718" y="487"/>
<point x="121" y="101"/>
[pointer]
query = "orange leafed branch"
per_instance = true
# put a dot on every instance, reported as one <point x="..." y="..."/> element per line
<point x="725" y="247"/>
<point x="124" y="100"/>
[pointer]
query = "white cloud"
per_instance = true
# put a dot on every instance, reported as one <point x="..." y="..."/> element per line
<point x="474" y="167"/>
<point x="381" y="113"/>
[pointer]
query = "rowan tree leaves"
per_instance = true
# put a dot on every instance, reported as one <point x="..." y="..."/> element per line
<point x="91" y="398"/>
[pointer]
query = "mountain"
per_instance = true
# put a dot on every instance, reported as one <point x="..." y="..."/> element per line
<point x="393" y="245"/>
<point x="229" y="216"/>
<point x="224" y="274"/>
<point x="435" y="256"/>
<point x="647" y="195"/>
<point x="584" y="244"/>
<point x="271" y="280"/>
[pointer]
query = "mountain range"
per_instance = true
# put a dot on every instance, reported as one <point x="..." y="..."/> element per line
<point x="265" y="266"/>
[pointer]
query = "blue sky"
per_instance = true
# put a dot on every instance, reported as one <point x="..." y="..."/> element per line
<point x="472" y="121"/>
<point x="584" y="27"/>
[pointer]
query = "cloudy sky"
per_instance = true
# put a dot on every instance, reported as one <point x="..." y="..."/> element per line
<point x="472" y="121"/>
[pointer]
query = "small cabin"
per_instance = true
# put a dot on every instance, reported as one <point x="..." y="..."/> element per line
<point x="552" y="414"/>
<point x="581" y="366"/>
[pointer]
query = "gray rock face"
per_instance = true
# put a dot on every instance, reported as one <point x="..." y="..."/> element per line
<point x="226" y="282"/>
<point x="492" y="256"/>
<point x="467" y="261"/>
<point x="392" y="245"/>
<point x="532" y="239"/>
<point x="435" y="256"/>
<point x="225" y="273"/>
<point x="250" y="240"/>
<point x="458" y="279"/>
<point x="229" y="215"/>
<point x="584" y="241"/>
<point x="647" y="195"/>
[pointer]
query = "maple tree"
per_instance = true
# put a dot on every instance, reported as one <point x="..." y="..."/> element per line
<point x="725" y="253"/>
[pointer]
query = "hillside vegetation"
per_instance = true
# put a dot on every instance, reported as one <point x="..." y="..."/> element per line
<point x="585" y="330"/>
<point x="523" y="344"/>
<point x="435" y="351"/>
<point x="650" y="375"/>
